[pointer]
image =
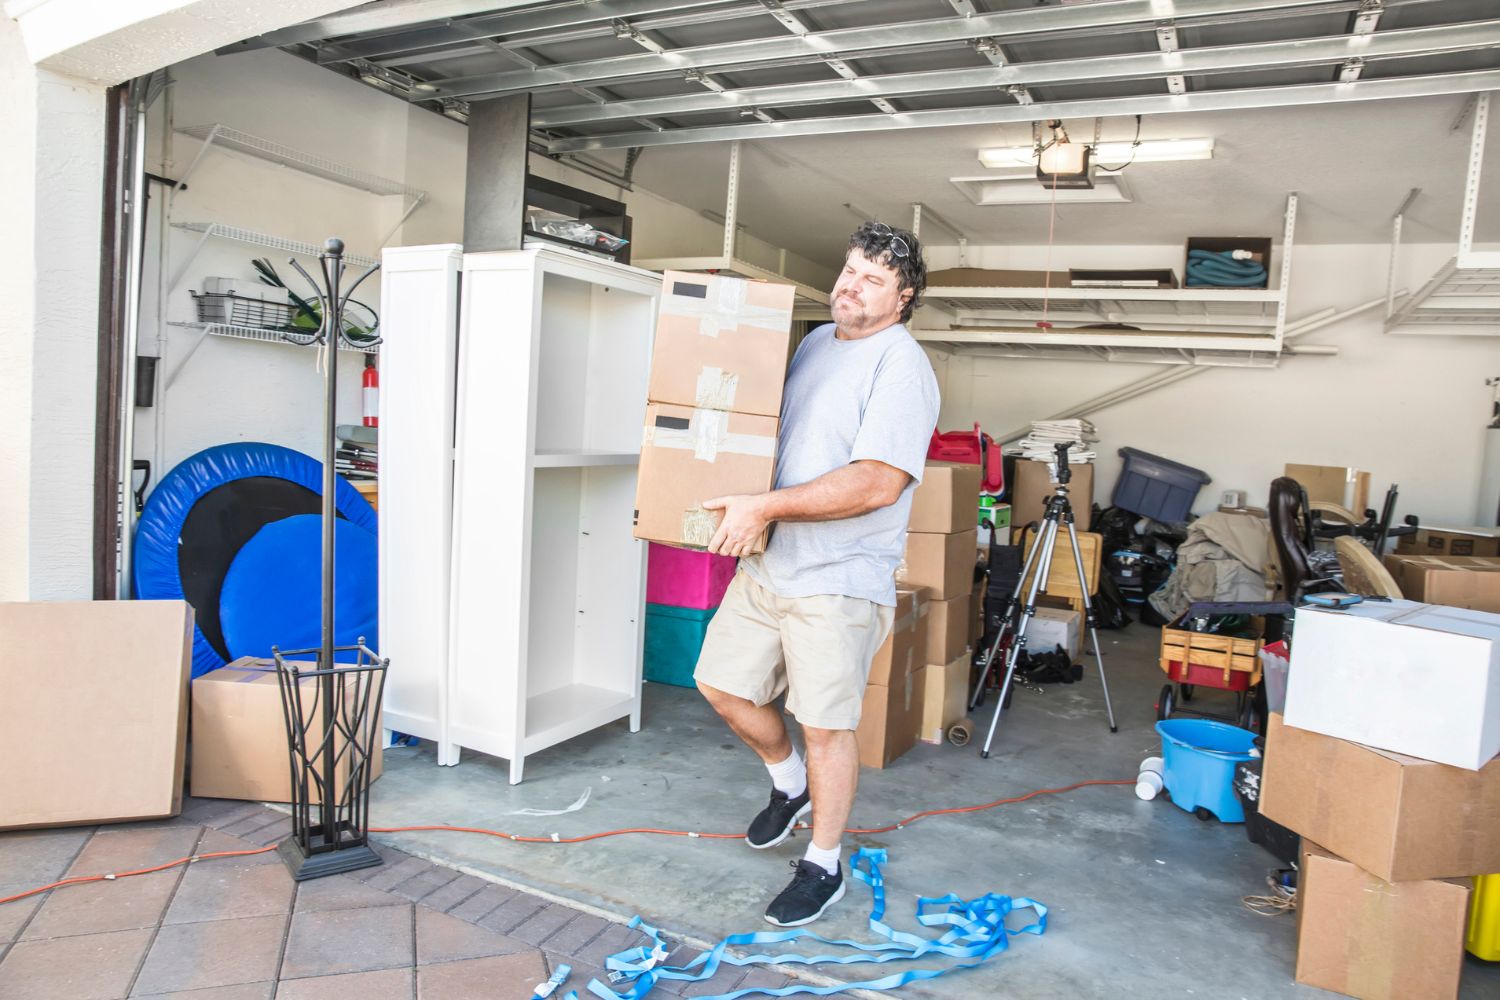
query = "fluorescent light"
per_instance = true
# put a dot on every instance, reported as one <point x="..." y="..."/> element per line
<point x="1108" y="154"/>
<point x="1023" y="189"/>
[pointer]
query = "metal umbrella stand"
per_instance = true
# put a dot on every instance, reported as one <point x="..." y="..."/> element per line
<point x="332" y="711"/>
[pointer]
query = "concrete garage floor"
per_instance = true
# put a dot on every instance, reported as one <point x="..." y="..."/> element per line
<point x="1144" y="898"/>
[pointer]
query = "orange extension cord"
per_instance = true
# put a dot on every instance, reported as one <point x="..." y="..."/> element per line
<point x="83" y="879"/>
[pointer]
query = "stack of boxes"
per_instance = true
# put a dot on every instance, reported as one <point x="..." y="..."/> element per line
<point x="892" y="712"/>
<point x="941" y="547"/>
<point x="683" y="590"/>
<point x="1385" y="764"/>
<point x="718" y="366"/>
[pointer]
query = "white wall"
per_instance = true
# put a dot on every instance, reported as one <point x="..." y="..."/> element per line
<point x="1410" y="410"/>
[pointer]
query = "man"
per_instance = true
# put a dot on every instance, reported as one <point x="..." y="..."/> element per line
<point x="807" y="616"/>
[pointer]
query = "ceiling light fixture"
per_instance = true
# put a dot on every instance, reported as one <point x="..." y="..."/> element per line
<point x="1148" y="151"/>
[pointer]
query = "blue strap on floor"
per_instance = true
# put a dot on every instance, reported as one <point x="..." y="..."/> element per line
<point x="1205" y="268"/>
<point x="976" y="931"/>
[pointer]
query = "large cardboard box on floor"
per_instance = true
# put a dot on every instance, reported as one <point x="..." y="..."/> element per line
<point x="1378" y="940"/>
<point x="722" y="343"/>
<point x="239" y="734"/>
<point x="948" y="626"/>
<point x="1418" y="679"/>
<point x="1450" y="542"/>
<point x="1033" y="485"/>
<point x="1455" y="581"/>
<point x="692" y="455"/>
<point x="1398" y="817"/>
<point x="945" y="697"/>
<point x="946" y="498"/>
<point x="944" y="564"/>
<point x="1338" y="484"/>
<point x="889" y="720"/>
<point x="93" y="702"/>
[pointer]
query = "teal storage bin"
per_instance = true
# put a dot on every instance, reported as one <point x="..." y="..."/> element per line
<point x="674" y="637"/>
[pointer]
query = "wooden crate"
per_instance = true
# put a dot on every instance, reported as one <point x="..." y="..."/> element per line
<point x="1224" y="653"/>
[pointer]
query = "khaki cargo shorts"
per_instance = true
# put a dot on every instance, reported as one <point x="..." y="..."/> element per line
<point x="815" y="649"/>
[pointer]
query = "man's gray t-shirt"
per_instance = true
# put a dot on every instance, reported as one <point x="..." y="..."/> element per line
<point x="849" y="401"/>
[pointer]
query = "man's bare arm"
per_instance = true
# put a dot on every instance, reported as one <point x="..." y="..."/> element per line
<point x="850" y="491"/>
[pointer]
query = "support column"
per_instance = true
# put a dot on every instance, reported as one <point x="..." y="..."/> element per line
<point x="495" y="185"/>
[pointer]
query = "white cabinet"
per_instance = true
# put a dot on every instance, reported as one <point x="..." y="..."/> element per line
<point x="547" y="586"/>
<point x="419" y="311"/>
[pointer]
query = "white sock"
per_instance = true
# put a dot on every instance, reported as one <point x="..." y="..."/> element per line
<point x="790" y="776"/>
<point x="829" y="859"/>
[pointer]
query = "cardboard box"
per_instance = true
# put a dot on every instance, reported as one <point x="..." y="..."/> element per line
<point x="239" y="734"/>
<point x="1033" y="484"/>
<point x="1419" y="679"/>
<point x="1052" y="627"/>
<point x="1456" y="581"/>
<point x="1398" y="817"/>
<point x="1378" y="940"/>
<point x="948" y="626"/>
<point x="1338" y="484"/>
<point x="898" y="656"/>
<point x="945" y="697"/>
<point x="944" y="500"/>
<point x="692" y="455"/>
<point x="889" y="720"/>
<point x="93" y="701"/>
<point x="1450" y="542"/>
<point x="722" y="343"/>
<point x="944" y="564"/>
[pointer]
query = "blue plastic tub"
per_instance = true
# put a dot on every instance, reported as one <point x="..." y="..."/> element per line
<point x="1156" y="487"/>
<point x="1199" y="757"/>
<point x="674" y="637"/>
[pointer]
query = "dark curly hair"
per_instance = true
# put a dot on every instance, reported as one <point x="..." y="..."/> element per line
<point x="874" y="241"/>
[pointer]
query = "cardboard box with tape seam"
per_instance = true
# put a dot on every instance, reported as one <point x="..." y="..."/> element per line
<point x="944" y="564"/>
<point x="721" y="343"/>
<point x="1395" y="816"/>
<point x="691" y="455"/>
<point x="889" y="721"/>
<point x="946" y="498"/>
<point x="1363" y="936"/>
<point x="239" y="734"/>
<point x="948" y="627"/>
<point x="901" y="654"/>
<point x="94" y="702"/>
<point x="945" y="698"/>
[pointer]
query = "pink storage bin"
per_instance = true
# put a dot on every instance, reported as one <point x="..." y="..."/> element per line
<point x="684" y="578"/>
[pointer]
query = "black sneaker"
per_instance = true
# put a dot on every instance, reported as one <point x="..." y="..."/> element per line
<point x="774" y="823"/>
<point x="812" y="891"/>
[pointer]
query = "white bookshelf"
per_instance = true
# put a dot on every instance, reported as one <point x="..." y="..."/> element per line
<point x="419" y="308"/>
<point x="548" y="582"/>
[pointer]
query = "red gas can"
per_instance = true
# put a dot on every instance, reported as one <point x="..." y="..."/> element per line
<point x="973" y="448"/>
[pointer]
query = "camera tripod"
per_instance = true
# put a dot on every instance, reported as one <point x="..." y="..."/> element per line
<point x="1058" y="511"/>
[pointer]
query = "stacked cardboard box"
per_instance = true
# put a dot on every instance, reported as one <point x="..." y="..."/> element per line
<point x="1450" y="542"/>
<point x="941" y="546"/>
<point x="892" y="712"/>
<point x="1385" y="764"/>
<point x="718" y="366"/>
<point x="1456" y="581"/>
<point x="1032" y="485"/>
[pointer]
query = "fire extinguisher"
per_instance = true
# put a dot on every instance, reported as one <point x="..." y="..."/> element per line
<point x="371" y="392"/>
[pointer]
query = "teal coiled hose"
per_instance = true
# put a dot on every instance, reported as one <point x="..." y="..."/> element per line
<point x="1205" y="268"/>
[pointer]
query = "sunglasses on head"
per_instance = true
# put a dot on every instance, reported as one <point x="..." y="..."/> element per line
<point x="896" y="244"/>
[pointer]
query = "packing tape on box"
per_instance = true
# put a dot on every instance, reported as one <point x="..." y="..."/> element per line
<point x="720" y="305"/>
<point x="1372" y="962"/>
<point x="707" y="435"/>
<point x="716" y="389"/>
<point x="698" y="526"/>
